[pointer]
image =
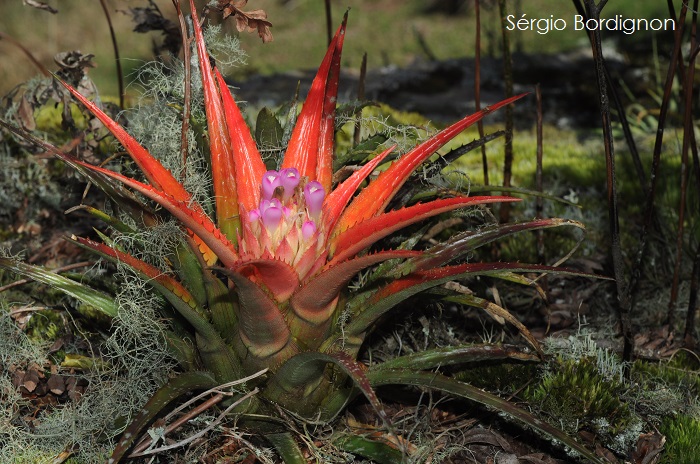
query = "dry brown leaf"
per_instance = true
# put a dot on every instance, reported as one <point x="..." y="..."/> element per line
<point x="30" y="380"/>
<point x="56" y="384"/>
<point x="25" y="114"/>
<point x="649" y="448"/>
<point x="247" y="21"/>
<point x="41" y="6"/>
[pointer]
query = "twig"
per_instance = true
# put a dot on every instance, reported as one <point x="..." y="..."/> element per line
<point x="504" y="212"/>
<point x="688" y="128"/>
<point x="141" y="448"/>
<point x="27" y="53"/>
<point x="477" y="88"/>
<point x="624" y="306"/>
<point x="329" y="21"/>
<point x="202" y="432"/>
<point x="217" y="389"/>
<point x="186" y="41"/>
<point x="120" y="77"/>
<point x="360" y="97"/>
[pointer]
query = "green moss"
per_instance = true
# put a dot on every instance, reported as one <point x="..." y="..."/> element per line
<point x="666" y="389"/>
<point x="45" y="326"/>
<point x="576" y="396"/>
<point x="682" y="437"/>
<point x="679" y="372"/>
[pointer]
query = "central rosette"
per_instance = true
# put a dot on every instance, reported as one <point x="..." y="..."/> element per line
<point x="287" y="221"/>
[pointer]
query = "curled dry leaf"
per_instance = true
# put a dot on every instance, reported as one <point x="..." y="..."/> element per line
<point x="41" y="6"/>
<point x="150" y="18"/>
<point x="248" y="21"/>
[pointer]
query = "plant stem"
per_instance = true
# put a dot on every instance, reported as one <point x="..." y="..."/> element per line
<point x="360" y="97"/>
<point x="187" y="104"/>
<point x="658" y="145"/>
<point x="120" y="77"/>
<point x="27" y="53"/>
<point x="593" y="12"/>
<point x="329" y="21"/>
<point x="508" y="77"/>
<point x="687" y="137"/>
<point x="477" y="87"/>
<point x="539" y="204"/>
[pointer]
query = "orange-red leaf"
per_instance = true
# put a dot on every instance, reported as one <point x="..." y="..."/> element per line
<point x="373" y="199"/>
<point x="248" y="165"/>
<point x="278" y="277"/>
<point x="362" y="235"/>
<point x="142" y="267"/>
<point x="196" y="222"/>
<point x="222" y="163"/>
<point x="307" y="151"/>
<point x="158" y="176"/>
<point x="338" y="199"/>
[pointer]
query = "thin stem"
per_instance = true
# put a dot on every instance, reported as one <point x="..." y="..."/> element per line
<point x="539" y="204"/>
<point x="120" y="77"/>
<point x="186" y="111"/>
<point x="689" y="336"/>
<point x="360" y="97"/>
<point x="27" y="53"/>
<point x="477" y="88"/>
<point x="594" y="11"/>
<point x="142" y="449"/>
<point x="508" y="77"/>
<point x="329" y="21"/>
<point x="658" y="145"/>
<point x="687" y="136"/>
<point x="622" y="116"/>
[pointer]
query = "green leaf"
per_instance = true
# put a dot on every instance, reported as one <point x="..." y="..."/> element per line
<point x="523" y="191"/>
<point x="308" y="369"/>
<point x="87" y="295"/>
<point x="370" y="449"/>
<point x="268" y="130"/>
<point x="378" y="377"/>
<point x="78" y="361"/>
<point x="287" y="447"/>
<point x="437" y="357"/>
<point x="104" y="217"/>
<point x="360" y="152"/>
<point x="466" y="242"/>
<point x="369" y="307"/>
<point x="217" y="356"/>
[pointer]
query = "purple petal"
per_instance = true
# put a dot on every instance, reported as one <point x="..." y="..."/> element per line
<point x="270" y="181"/>
<point x="314" y="195"/>
<point x="308" y="229"/>
<point x="290" y="179"/>
<point x="271" y="213"/>
<point x="254" y="215"/>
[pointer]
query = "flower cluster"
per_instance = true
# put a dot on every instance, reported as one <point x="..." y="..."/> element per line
<point x="288" y="217"/>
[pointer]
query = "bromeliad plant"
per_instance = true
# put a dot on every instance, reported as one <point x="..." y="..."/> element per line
<point x="265" y="282"/>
